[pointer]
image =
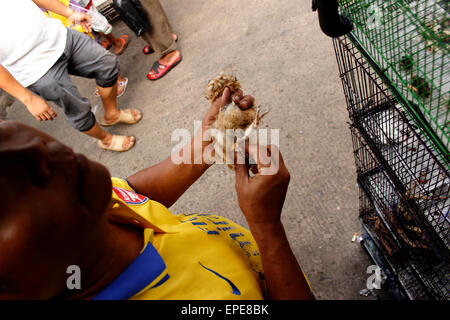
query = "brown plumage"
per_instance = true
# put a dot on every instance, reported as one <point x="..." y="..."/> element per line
<point x="231" y="116"/>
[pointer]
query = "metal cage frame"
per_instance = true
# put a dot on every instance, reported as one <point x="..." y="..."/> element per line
<point x="408" y="40"/>
<point x="399" y="172"/>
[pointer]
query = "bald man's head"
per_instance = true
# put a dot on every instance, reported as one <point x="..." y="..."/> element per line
<point x="52" y="204"/>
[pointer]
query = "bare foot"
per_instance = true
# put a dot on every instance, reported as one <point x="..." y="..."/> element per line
<point x="170" y="58"/>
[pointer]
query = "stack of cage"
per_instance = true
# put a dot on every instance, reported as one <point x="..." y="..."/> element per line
<point x="409" y="41"/>
<point x="106" y="8"/>
<point x="400" y="142"/>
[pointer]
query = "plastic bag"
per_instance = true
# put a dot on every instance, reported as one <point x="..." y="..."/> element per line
<point x="134" y="15"/>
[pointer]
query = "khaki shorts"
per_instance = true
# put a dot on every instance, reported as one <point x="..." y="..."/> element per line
<point x="85" y="58"/>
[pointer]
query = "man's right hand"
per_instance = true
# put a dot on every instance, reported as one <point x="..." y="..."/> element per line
<point x="39" y="108"/>
<point x="262" y="196"/>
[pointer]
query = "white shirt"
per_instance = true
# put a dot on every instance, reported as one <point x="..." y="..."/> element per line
<point x="30" y="43"/>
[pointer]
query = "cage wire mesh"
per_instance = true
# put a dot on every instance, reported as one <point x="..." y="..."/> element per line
<point x="400" y="173"/>
<point x="386" y="254"/>
<point x="412" y="164"/>
<point x="107" y="9"/>
<point x="403" y="241"/>
<point x="409" y="41"/>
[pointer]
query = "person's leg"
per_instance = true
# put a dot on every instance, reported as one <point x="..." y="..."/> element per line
<point x="109" y="99"/>
<point x="56" y="86"/>
<point x="165" y="57"/>
<point x="166" y="61"/>
<point x="115" y="42"/>
<point x="120" y="44"/>
<point x="90" y="60"/>
<point x="148" y="49"/>
<point x="170" y="58"/>
<point x="160" y="37"/>
<point x="121" y="87"/>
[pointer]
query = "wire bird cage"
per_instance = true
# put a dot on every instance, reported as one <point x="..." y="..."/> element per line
<point x="107" y="9"/>
<point x="405" y="244"/>
<point x="409" y="42"/>
<point x="387" y="254"/>
<point x="401" y="175"/>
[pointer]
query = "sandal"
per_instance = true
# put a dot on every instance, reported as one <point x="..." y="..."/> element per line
<point x="106" y="44"/>
<point x="125" y="39"/>
<point x="123" y="84"/>
<point x="125" y="117"/>
<point x="116" y="144"/>
<point x="148" y="49"/>
<point x="160" y="70"/>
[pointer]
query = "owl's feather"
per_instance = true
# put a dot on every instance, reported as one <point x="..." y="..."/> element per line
<point x="230" y="116"/>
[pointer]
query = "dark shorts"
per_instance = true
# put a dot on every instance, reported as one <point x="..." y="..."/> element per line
<point x="82" y="57"/>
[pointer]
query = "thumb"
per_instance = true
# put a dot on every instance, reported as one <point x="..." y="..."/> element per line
<point x="217" y="104"/>
<point x="223" y="100"/>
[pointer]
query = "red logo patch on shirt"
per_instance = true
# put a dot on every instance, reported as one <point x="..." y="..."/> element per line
<point x="129" y="197"/>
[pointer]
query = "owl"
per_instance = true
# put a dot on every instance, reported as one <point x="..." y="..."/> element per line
<point x="233" y="125"/>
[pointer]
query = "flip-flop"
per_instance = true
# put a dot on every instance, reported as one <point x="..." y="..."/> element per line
<point x="126" y="40"/>
<point x="106" y="44"/>
<point x="123" y="83"/>
<point x="116" y="144"/>
<point x="148" y="49"/>
<point x="125" y="117"/>
<point x="162" y="69"/>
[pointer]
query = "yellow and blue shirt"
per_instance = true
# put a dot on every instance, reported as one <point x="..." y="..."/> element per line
<point x="188" y="256"/>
